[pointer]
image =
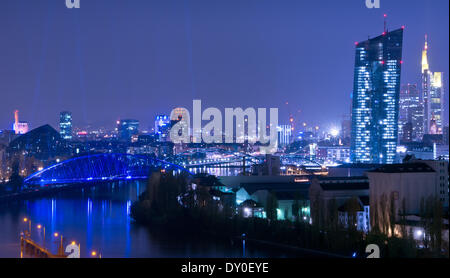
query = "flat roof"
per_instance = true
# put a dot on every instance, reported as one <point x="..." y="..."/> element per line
<point x="404" y="168"/>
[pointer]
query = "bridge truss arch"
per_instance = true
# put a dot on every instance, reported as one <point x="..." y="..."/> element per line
<point x="101" y="167"/>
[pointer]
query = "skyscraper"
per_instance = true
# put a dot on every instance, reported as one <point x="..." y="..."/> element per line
<point x="162" y="127"/>
<point x="411" y="112"/>
<point x="284" y="135"/>
<point x="436" y="103"/>
<point x="65" y="125"/>
<point x="375" y="98"/>
<point x="433" y="96"/>
<point x="127" y="128"/>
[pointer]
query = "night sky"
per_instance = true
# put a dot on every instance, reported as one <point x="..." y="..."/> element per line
<point x="115" y="59"/>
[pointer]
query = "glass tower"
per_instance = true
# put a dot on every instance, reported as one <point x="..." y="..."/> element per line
<point x="411" y="111"/>
<point x="436" y="104"/>
<point x="65" y="125"/>
<point x="433" y="96"/>
<point x="375" y="104"/>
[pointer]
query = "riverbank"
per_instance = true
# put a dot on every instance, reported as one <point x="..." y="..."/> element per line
<point x="280" y="235"/>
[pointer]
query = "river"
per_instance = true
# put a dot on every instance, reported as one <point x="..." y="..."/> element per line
<point x="98" y="219"/>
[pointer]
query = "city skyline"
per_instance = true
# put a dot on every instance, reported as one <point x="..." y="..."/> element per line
<point x="224" y="129"/>
<point x="73" y="71"/>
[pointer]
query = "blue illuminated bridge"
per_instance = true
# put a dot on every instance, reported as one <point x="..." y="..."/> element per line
<point x="101" y="167"/>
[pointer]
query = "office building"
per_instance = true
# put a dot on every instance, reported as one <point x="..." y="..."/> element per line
<point x="126" y="129"/>
<point x="375" y="103"/>
<point x="410" y="114"/>
<point x="284" y="135"/>
<point x="433" y="96"/>
<point x="65" y="125"/>
<point x="162" y="127"/>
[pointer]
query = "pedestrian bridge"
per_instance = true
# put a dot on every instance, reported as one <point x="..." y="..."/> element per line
<point x="101" y="167"/>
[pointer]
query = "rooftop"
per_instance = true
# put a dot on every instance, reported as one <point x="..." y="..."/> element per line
<point x="404" y="168"/>
<point x="345" y="186"/>
<point x="277" y="187"/>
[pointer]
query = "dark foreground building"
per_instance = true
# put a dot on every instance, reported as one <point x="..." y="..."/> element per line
<point x="43" y="143"/>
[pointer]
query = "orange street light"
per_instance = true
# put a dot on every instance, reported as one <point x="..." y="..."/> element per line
<point x="39" y="226"/>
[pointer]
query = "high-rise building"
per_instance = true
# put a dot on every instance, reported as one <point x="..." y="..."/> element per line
<point x="19" y="127"/>
<point x="65" y="125"/>
<point x="436" y="103"/>
<point x="407" y="132"/>
<point x="284" y="135"/>
<point x="411" y="112"/>
<point x="375" y="98"/>
<point x="162" y="127"/>
<point x="127" y="128"/>
<point x="446" y="135"/>
<point x="346" y="128"/>
<point x="433" y="96"/>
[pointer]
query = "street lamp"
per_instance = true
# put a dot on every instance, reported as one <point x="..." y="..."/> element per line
<point x="60" y="249"/>
<point x="96" y="255"/>
<point x="39" y="226"/>
<point x="29" y="225"/>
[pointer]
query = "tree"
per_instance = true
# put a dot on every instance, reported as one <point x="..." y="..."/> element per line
<point x="383" y="215"/>
<point x="297" y="206"/>
<point x="392" y="215"/>
<point x="16" y="180"/>
<point x="333" y="215"/>
<point x="374" y="214"/>
<point x="152" y="189"/>
<point x="295" y="209"/>
<point x="402" y="214"/>
<point x="437" y="226"/>
<point x="271" y="207"/>
<point x="353" y="208"/>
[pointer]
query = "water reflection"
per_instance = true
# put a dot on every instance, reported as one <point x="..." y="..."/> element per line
<point x="98" y="218"/>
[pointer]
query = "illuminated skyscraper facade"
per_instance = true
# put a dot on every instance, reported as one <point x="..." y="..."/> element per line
<point x="436" y="104"/>
<point x="433" y="96"/>
<point x="65" y="125"/>
<point x="375" y="103"/>
<point x="411" y="112"/>
<point x="162" y="127"/>
<point x="284" y="135"/>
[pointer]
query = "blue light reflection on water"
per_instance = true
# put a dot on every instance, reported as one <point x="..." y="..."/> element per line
<point x="98" y="218"/>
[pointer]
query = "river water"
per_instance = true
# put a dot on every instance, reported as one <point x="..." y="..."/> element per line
<point x="98" y="219"/>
